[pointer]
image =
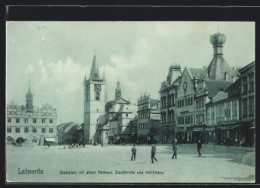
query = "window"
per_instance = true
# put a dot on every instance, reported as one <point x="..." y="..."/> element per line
<point x="9" y="130"/>
<point x="251" y="82"/>
<point x="97" y="96"/>
<point x="245" y="85"/>
<point x="26" y="130"/>
<point x="25" y="120"/>
<point x="17" y="120"/>
<point x="43" y="130"/>
<point x="202" y="118"/>
<point x="244" y="107"/>
<point x="34" y="120"/>
<point x="34" y="130"/>
<point x="227" y="112"/>
<point x="50" y="130"/>
<point x="202" y="102"/>
<point x="126" y="115"/>
<point x="51" y="121"/>
<point x="17" y="130"/>
<point x="225" y="76"/>
<point x="234" y="108"/>
<point x="191" y="101"/>
<point x="212" y="115"/>
<point x="9" y="120"/>
<point x="251" y="106"/>
<point x="43" y="120"/>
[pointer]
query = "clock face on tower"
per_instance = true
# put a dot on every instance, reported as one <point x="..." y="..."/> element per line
<point x="97" y="87"/>
<point x="185" y="86"/>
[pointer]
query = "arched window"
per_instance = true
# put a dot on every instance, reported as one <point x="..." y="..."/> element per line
<point x="97" y="96"/>
<point x="225" y="76"/>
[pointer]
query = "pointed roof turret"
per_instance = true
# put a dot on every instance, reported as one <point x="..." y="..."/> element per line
<point x="94" y="74"/>
<point x="29" y="89"/>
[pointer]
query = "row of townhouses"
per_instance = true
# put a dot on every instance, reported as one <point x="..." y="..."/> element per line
<point x="214" y="103"/>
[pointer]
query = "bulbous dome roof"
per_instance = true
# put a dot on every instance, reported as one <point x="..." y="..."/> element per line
<point x="217" y="39"/>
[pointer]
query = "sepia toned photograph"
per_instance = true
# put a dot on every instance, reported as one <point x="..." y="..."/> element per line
<point x="130" y="102"/>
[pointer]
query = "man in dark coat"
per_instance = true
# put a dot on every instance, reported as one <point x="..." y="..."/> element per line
<point x="174" y="147"/>
<point x="133" y="153"/>
<point x="153" y="151"/>
<point x="199" y="147"/>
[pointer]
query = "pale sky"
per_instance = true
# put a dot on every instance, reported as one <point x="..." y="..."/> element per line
<point x="138" y="54"/>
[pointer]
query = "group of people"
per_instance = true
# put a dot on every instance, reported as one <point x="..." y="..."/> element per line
<point x="153" y="151"/>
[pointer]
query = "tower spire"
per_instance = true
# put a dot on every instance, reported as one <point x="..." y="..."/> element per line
<point x="94" y="74"/>
<point x="29" y="98"/>
<point x="218" y="68"/>
<point x="118" y="91"/>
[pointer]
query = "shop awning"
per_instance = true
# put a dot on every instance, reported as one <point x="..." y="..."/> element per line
<point x="210" y="129"/>
<point x="236" y="126"/>
<point x="50" y="139"/>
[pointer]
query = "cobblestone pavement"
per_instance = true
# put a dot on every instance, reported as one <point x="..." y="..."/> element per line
<point x="217" y="164"/>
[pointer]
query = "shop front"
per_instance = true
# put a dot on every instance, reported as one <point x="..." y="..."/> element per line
<point x="228" y="133"/>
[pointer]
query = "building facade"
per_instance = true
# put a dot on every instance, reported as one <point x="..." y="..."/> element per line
<point x="222" y="114"/>
<point x="119" y="113"/>
<point x="149" y="118"/>
<point x="70" y="133"/>
<point x="248" y="104"/>
<point x="33" y="125"/>
<point x="168" y="94"/>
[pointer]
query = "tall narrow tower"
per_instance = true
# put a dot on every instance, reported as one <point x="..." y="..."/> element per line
<point x="29" y="99"/>
<point x="94" y="101"/>
<point x="118" y="92"/>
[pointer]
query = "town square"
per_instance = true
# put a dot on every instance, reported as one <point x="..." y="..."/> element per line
<point x="217" y="164"/>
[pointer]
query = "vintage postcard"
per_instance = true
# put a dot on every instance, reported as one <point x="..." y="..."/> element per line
<point x="130" y="102"/>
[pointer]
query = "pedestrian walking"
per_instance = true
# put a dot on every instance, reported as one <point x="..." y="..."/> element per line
<point x="133" y="153"/>
<point x="199" y="147"/>
<point x="153" y="151"/>
<point x="174" y="147"/>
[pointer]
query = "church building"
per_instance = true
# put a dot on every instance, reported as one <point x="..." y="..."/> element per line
<point x="104" y="121"/>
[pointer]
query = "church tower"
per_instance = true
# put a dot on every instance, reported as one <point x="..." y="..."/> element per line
<point x="94" y="101"/>
<point x="29" y="99"/>
<point x="218" y="68"/>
